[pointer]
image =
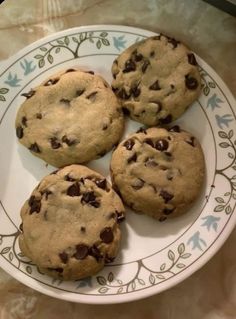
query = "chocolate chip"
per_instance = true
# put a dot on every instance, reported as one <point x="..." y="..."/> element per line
<point x="46" y="193"/>
<point x="68" y="141"/>
<point x="35" y="204"/>
<point x="55" y="144"/>
<point x="80" y="92"/>
<point x="145" y="66"/>
<point x="173" y="42"/>
<point x="64" y="257"/>
<point x="191" y="142"/>
<point x="155" y="86"/>
<point x="168" y="211"/>
<point x="95" y="252"/>
<point x="168" y="154"/>
<point x="92" y="96"/>
<point x="129" y="66"/>
<point x="135" y="91"/>
<point x="104" y="127"/>
<point x="152" y="54"/>
<point x="39" y="116"/>
<point x="73" y="190"/>
<point x="161" y="145"/>
<point x="190" y="82"/>
<point x="106" y="235"/>
<point x="70" y="70"/>
<point x="125" y="111"/>
<point x="137" y="56"/>
<point x="166" y="119"/>
<point x="19" y="132"/>
<point x="191" y="59"/>
<point x="129" y="144"/>
<point x="82" y="251"/>
<point x="162" y="218"/>
<point x="150" y="162"/>
<point x="156" y="37"/>
<point x="133" y="158"/>
<point x="137" y="184"/>
<point x="122" y="94"/>
<point x="101" y="183"/>
<point x="34" y="148"/>
<point x="90" y="72"/>
<point x="166" y="196"/>
<point x="59" y="270"/>
<point x="120" y="216"/>
<point x="141" y="130"/>
<point x="69" y="178"/>
<point x="29" y="94"/>
<point x="90" y="198"/>
<point x="109" y="260"/>
<point x="21" y="227"/>
<point x="82" y="229"/>
<point x="175" y="129"/>
<point x="149" y="141"/>
<point x="24" y="121"/>
<point x="51" y="82"/>
<point x="65" y="101"/>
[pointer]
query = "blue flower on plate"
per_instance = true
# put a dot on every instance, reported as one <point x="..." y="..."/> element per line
<point x="211" y="222"/>
<point x="214" y="101"/>
<point x="119" y="42"/>
<point x="27" y="66"/>
<point x="13" y="81"/>
<point x="197" y="241"/>
<point x="223" y="120"/>
<point x="85" y="282"/>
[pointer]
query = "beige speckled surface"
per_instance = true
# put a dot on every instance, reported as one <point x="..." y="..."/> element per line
<point x="211" y="292"/>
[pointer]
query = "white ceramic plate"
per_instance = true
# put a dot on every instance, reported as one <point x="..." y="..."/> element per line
<point x="154" y="256"/>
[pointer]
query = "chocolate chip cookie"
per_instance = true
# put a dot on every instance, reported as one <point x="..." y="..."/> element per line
<point x="158" y="172"/>
<point x="73" y="117"/>
<point x="156" y="80"/>
<point x="70" y="223"/>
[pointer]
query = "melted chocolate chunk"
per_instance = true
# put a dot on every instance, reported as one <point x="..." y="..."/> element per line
<point x="35" y="204"/>
<point x="152" y="54"/>
<point x="137" y="56"/>
<point x="129" y="144"/>
<point x="190" y="82"/>
<point x="29" y="94"/>
<point x="166" y="196"/>
<point x="161" y="145"/>
<point x="141" y="130"/>
<point x="46" y="193"/>
<point x="104" y="127"/>
<point x="106" y="235"/>
<point x="34" y="148"/>
<point x="39" y="116"/>
<point x="101" y="183"/>
<point x="173" y="42"/>
<point x="166" y="120"/>
<point x="191" y="142"/>
<point x="64" y="257"/>
<point x="68" y="141"/>
<point x="125" y="111"/>
<point x="90" y="72"/>
<point x="24" y="121"/>
<point x="122" y="94"/>
<point x="155" y="86"/>
<point x="90" y="198"/>
<point x="95" y="252"/>
<point x="168" y="211"/>
<point x="129" y="66"/>
<point x="133" y="158"/>
<point x="191" y="59"/>
<point x="73" y="190"/>
<point x="175" y="129"/>
<point x="19" y="132"/>
<point x="135" y="91"/>
<point x="80" y="92"/>
<point x="65" y="101"/>
<point x="82" y="251"/>
<point x="82" y="229"/>
<point x="92" y="96"/>
<point x="145" y="66"/>
<point x="149" y="141"/>
<point x="55" y="144"/>
<point x="70" y="70"/>
<point x="51" y="82"/>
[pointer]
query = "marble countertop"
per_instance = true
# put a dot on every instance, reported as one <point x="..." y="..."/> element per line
<point x="210" y="293"/>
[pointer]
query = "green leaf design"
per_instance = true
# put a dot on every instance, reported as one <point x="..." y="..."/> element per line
<point x="58" y="49"/>
<point x="110" y="277"/>
<point x="234" y="196"/>
<point x="133" y="285"/>
<point x="228" y="210"/>
<point x="222" y="134"/>
<point x="141" y="281"/>
<point x="1" y="240"/>
<point x="233" y="177"/>
<point x="28" y="269"/>
<point x="159" y="276"/>
<point x="75" y="39"/>
<point x="67" y="40"/>
<point x="5" y="250"/>
<point x="2" y="98"/>
<point x="4" y="90"/>
<point x="119" y="281"/>
<point x="211" y="85"/>
<point x="101" y="280"/>
<point x="99" y="44"/>
<point x="230" y="155"/>
<point x="230" y="134"/>
<point x="186" y="255"/>
<point x="181" y="248"/>
<point x="103" y="34"/>
<point x="38" y="56"/>
<point x="206" y="90"/>
<point x="224" y="145"/>
<point x="10" y="256"/>
<point x="20" y="254"/>
<point x="103" y="290"/>
<point x="91" y="40"/>
<point x="151" y="279"/>
<point x="180" y="265"/>
<point x="163" y="266"/>
<point x="119" y="291"/>
<point x="219" y="200"/>
<point x="234" y="167"/>
<point x="82" y="36"/>
<point x="41" y="63"/>
<point x="60" y="42"/>
<point x="227" y="194"/>
<point x="219" y="208"/>
<point x="171" y="255"/>
<point x="43" y="49"/>
<point x="105" y="42"/>
<point x="50" y="59"/>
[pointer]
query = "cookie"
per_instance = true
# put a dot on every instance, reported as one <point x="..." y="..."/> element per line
<point x="156" y="80"/>
<point x="159" y="172"/>
<point x="73" y="117"/>
<point x="70" y="223"/>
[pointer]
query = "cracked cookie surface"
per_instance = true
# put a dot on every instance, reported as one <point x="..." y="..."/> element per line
<point x="72" y="117"/>
<point x="156" y="80"/>
<point x="158" y="172"/>
<point x="70" y="223"/>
